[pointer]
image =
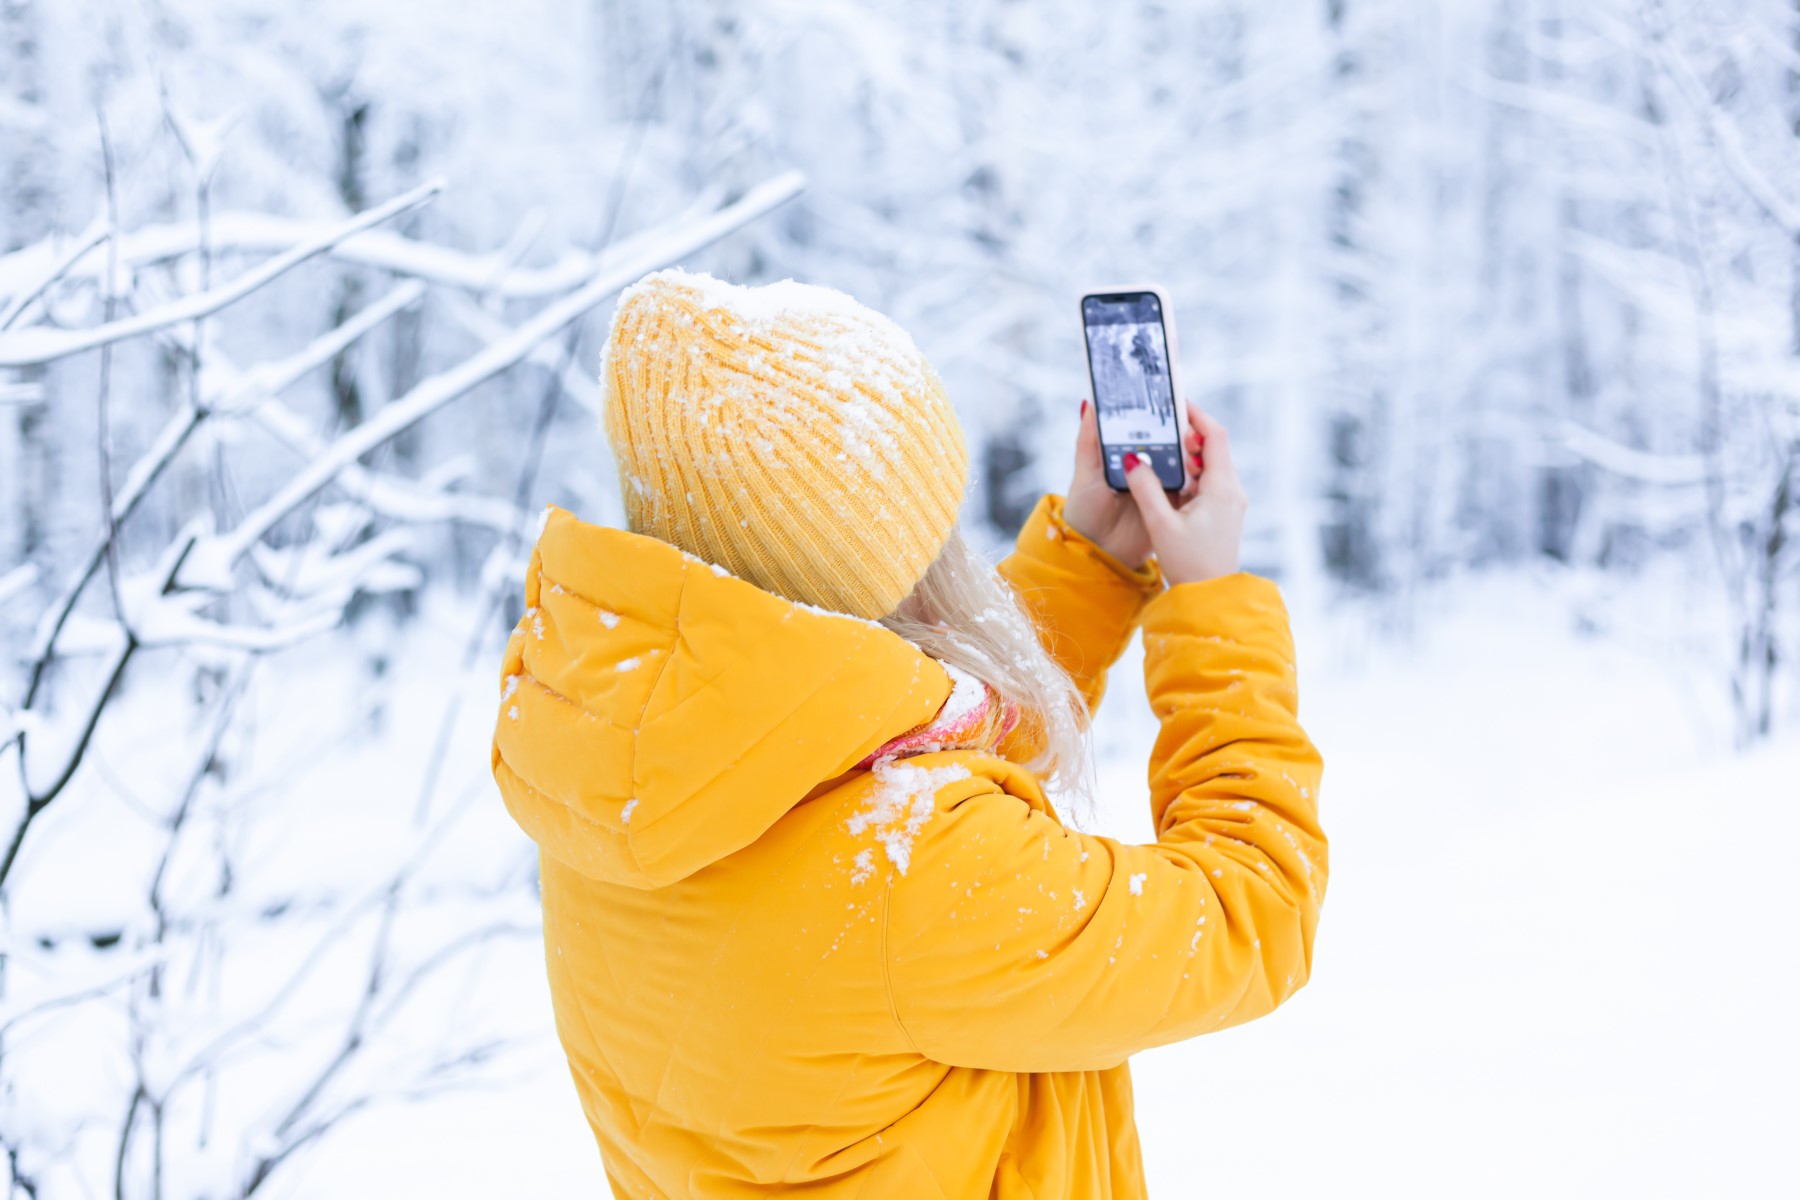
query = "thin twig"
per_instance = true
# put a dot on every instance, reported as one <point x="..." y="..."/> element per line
<point x="38" y="799"/>
<point x="103" y="429"/>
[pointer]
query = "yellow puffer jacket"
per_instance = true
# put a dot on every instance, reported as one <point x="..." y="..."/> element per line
<point x="749" y="1010"/>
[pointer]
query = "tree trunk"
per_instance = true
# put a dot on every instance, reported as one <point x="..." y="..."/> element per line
<point x="27" y="215"/>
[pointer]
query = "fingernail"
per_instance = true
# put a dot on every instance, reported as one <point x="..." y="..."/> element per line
<point x="1084" y="408"/>
<point x="1197" y="461"/>
<point x="1132" y="461"/>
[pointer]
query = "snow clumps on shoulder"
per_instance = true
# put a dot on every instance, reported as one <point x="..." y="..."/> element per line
<point x="904" y="798"/>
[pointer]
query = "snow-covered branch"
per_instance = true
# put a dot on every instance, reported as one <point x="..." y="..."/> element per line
<point x="96" y="233"/>
<point x="16" y="580"/>
<point x="245" y="233"/>
<point x="250" y="389"/>
<point x="1673" y="470"/>
<point x="253" y="391"/>
<point x="34" y="346"/>
<point x="576" y="382"/>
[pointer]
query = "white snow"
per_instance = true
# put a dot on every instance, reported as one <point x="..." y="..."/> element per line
<point x="842" y="616"/>
<point x="625" y="812"/>
<point x="967" y="694"/>
<point x="1137" y="883"/>
<point x="609" y="619"/>
<point x="754" y="306"/>
<point x="864" y="867"/>
<point x="1537" y="892"/>
<point x="902" y="801"/>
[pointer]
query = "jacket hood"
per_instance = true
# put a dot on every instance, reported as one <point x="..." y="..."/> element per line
<point x="658" y="713"/>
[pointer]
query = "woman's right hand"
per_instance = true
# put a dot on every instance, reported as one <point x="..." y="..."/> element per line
<point x="1201" y="539"/>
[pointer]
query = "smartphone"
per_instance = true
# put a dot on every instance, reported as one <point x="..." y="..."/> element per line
<point x="1131" y="362"/>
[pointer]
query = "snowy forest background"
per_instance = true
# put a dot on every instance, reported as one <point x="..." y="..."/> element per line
<point x="300" y="309"/>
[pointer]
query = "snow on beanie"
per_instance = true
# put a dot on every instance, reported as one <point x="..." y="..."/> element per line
<point x="786" y="433"/>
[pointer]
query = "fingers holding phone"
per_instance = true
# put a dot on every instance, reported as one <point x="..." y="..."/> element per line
<point x="1203" y="537"/>
<point x="1105" y="517"/>
<point x="1173" y="490"/>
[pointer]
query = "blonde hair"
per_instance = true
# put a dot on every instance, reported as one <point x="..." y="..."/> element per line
<point x="962" y="613"/>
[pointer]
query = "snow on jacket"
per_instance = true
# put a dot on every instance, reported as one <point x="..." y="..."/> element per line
<point x="772" y="973"/>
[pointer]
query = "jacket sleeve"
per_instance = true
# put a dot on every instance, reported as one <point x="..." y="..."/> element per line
<point x="1085" y="603"/>
<point x="1016" y="944"/>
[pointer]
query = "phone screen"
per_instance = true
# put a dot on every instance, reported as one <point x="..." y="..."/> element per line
<point x="1134" y="399"/>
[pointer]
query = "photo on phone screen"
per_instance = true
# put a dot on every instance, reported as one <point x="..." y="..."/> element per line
<point x="1134" y="395"/>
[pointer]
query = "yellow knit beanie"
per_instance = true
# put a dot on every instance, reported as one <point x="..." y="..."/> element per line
<point x="787" y="433"/>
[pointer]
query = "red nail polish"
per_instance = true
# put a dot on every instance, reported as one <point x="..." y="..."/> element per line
<point x="1084" y="408"/>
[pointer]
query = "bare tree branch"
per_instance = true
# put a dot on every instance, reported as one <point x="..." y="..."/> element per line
<point x="40" y="797"/>
<point x="1624" y="461"/>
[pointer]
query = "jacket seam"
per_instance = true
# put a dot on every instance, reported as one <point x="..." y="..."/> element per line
<point x="662" y="670"/>
<point x="887" y="973"/>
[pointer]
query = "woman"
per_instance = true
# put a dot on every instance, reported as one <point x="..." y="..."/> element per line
<point x="811" y="923"/>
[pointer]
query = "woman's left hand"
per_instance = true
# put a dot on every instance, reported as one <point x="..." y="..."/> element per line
<point x="1110" y="519"/>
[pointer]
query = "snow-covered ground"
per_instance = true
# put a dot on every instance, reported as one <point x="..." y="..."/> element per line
<point x="1557" y="956"/>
